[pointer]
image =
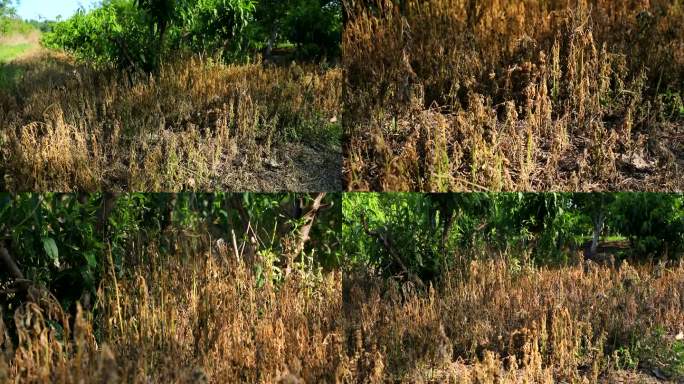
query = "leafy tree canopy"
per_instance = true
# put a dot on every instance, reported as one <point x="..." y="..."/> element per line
<point x="140" y="34"/>
<point x="424" y="234"/>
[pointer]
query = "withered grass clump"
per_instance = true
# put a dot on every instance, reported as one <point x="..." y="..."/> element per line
<point x="197" y="125"/>
<point x="501" y="324"/>
<point x="210" y="317"/>
<point x="197" y="320"/>
<point x="454" y="95"/>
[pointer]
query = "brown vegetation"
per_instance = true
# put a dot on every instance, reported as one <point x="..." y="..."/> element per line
<point x="505" y="324"/>
<point x="210" y="317"/>
<point x="191" y="318"/>
<point x="198" y="126"/>
<point x="514" y="95"/>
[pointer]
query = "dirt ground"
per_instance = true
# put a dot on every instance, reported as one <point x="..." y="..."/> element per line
<point x="460" y="370"/>
<point x="632" y="377"/>
<point x="294" y="167"/>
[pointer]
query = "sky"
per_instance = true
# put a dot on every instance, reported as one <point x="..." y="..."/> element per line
<point x="49" y="9"/>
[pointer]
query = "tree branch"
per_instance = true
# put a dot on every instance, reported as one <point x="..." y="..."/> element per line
<point x="10" y="264"/>
<point x="386" y="242"/>
<point x="308" y="222"/>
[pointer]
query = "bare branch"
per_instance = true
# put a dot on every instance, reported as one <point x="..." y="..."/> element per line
<point x="309" y="218"/>
<point x="10" y="264"/>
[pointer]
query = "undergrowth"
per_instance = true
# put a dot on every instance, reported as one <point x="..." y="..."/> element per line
<point x="455" y="95"/>
<point x="214" y="316"/>
<point x="495" y="323"/>
<point x="198" y="125"/>
<point x="191" y="317"/>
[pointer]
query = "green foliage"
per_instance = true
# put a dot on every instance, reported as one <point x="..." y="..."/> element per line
<point x="10" y="23"/>
<point x="14" y="25"/>
<point x="624" y="359"/>
<point x="653" y="222"/>
<point x="63" y="241"/>
<point x="7" y="13"/>
<point x="315" y="26"/>
<point x="434" y="232"/>
<point x="142" y="33"/>
<point x="115" y="33"/>
<point x="139" y="34"/>
<point x="53" y="237"/>
<point x="159" y="12"/>
<point x="658" y="351"/>
<point x="404" y="219"/>
<point x="41" y="25"/>
<point x="542" y="223"/>
<point x="214" y="27"/>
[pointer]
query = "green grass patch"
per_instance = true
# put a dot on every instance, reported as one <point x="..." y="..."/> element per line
<point x="605" y="238"/>
<point x="10" y="52"/>
<point x="316" y="132"/>
<point x="9" y="75"/>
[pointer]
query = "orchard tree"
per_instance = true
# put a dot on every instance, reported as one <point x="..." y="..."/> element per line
<point x="160" y="14"/>
<point x="315" y="26"/>
<point x="596" y="206"/>
<point x="449" y="208"/>
<point x="654" y="222"/>
<point x="271" y="16"/>
<point x="7" y="11"/>
<point x="215" y="26"/>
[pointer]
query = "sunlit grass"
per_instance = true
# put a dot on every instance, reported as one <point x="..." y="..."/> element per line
<point x="529" y="95"/>
<point x="196" y="125"/>
<point x="10" y="52"/>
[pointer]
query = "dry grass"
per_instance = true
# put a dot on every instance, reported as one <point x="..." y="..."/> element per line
<point x="500" y="324"/>
<point x="184" y="319"/>
<point x="515" y="95"/>
<point x="194" y="317"/>
<point x="198" y="126"/>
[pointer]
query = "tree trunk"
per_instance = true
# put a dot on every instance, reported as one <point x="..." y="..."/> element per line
<point x="271" y="41"/>
<point x="309" y="218"/>
<point x="105" y="210"/>
<point x="598" y="227"/>
<point x="10" y="264"/>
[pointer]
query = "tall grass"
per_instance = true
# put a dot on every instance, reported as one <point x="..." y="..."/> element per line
<point x="514" y="95"/>
<point x="499" y="323"/>
<point x="205" y="313"/>
<point x="182" y="318"/>
<point x="196" y="125"/>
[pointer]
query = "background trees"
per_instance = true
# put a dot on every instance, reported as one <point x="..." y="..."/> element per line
<point x="7" y="13"/>
<point x="141" y="33"/>
<point x="428" y="234"/>
<point x="6" y="8"/>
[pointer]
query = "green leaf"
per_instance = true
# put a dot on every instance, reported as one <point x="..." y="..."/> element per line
<point x="90" y="259"/>
<point x="51" y="250"/>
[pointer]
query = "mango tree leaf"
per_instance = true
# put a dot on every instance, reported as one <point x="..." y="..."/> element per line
<point x="51" y="250"/>
<point x="90" y="259"/>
